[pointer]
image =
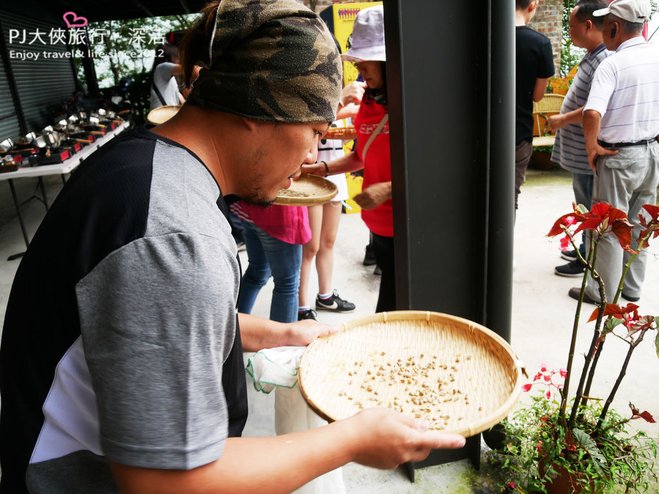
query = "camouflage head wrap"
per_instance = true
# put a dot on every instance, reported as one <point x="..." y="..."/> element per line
<point x="270" y="60"/>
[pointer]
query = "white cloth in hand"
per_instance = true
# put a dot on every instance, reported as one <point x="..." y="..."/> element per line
<point x="276" y="368"/>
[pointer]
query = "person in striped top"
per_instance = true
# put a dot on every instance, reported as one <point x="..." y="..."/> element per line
<point x="570" y="148"/>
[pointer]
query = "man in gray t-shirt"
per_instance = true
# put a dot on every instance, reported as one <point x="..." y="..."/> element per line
<point x="129" y="376"/>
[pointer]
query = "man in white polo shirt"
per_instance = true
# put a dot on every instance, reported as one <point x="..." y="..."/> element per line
<point x="621" y="125"/>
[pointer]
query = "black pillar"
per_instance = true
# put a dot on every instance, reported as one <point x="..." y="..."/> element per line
<point x="501" y="128"/>
<point x="450" y="80"/>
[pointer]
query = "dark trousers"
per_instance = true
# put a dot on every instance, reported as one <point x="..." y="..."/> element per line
<point x="383" y="247"/>
<point x="523" y="152"/>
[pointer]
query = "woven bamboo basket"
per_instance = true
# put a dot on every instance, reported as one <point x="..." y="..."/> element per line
<point x="450" y="372"/>
<point x="161" y="114"/>
<point x="342" y="133"/>
<point x="307" y="190"/>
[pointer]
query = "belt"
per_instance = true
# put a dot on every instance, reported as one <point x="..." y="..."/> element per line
<point x="627" y="144"/>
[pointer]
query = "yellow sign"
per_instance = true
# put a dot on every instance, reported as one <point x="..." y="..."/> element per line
<point x="354" y="188"/>
<point x="344" y="18"/>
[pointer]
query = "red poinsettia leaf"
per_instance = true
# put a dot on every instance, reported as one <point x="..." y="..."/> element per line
<point x="589" y="224"/>
<point x="614" y="311"/>
<point x="620" y="312"/>
<point x="560" y="225"/>
<point x="616" y="214"/>
<point x="594" y="315"/>
<point x="637" y="414"/>
<point x="631" y="308"/>
<point x="527" y="387"/>
<point x="623" y="232"/>
<point x="600" y="209"/>
<point x="653" y="211"/>
<point x="651" y="232"/>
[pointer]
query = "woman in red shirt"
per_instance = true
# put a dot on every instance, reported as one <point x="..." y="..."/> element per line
<point x="372" y="150"/>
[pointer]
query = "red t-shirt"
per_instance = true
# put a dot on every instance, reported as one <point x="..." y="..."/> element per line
<point x="377" y="165"/>
<point x="289" y="224"/>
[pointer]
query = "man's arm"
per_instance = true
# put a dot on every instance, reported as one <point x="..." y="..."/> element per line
<point x="539" y="89"/>
<point x="379" y="438"/>
<point x="572" y="117"/>
<point x="257" y="333"/>
<point x="591" y="129"/>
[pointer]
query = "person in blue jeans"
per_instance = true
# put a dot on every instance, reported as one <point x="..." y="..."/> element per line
<point x="274" y="236"/>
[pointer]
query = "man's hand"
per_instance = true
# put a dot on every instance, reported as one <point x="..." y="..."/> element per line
<point x="597" y="151"/>
<point x="556" y="122"/>
<point x="591" y="129"/>
<point x="388" y="438"/>
<point x="258" y="333"/>
<point x="353" y="93"/>
<point x="373" y="195"/>
<point x="301" y="333"/>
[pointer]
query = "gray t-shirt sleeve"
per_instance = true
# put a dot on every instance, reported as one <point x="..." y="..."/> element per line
<point x="157" y="322"/>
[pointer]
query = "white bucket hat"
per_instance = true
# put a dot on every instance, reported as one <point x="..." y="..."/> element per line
<point x="367" y="37"/>
<point x="636" y="11"/>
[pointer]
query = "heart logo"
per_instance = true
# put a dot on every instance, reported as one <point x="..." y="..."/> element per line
<point x="73" y="20"/>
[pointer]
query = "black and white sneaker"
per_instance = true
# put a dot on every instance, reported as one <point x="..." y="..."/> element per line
<point x="306" y="314"/>
<point x="569" y="255"/>
<point x="334" y="303"/>
<point x="572" y="269"/>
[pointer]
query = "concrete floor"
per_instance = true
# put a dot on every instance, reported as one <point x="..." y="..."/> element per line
<point x="542" y="320"/>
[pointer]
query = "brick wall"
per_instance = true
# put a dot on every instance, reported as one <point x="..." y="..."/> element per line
<point x="548" y="20"/>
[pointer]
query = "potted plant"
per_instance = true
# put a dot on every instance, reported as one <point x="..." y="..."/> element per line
<point x="568" y="440"/>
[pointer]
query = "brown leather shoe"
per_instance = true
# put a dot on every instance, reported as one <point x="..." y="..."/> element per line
<point x="575" y="293"/>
